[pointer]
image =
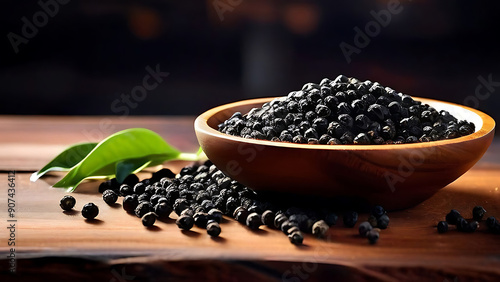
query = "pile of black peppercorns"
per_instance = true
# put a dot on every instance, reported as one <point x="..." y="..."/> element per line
<point x="346" y="111"/>
<point x="201" y="194"/>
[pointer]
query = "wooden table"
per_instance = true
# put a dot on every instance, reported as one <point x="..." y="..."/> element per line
<point x="53" y="245"/>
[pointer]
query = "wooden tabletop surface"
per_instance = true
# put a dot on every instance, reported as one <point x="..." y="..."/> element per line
<point x="50" y="244"/>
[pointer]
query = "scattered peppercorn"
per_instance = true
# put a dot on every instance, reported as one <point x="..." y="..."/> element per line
<point x="109" y="196"/>
<point x="331" y="218"/>
<point x="442" y="227"/>
<point x="149" y="219"/>
<point x="185" y="222"/>
<point x="130" y="202"/>
<point x="452" y="217"/>
<point x="90" y="211"/>
<point x="350" y="218"/>
<point x="364" y="228"/>
<point x="378" y="211"/>
<point x="142" y="209"/>
<point x="67" y="202"/>
<point x="372" y="220"/>
<point x="383" y="221"/>
<point x="373" y="236"/>
<point x="478" y="213"/>
<point x="296" y="238"/>
<point x="215" y="214"/>
<point x="254" y="221"/>
<point x="320" y="228"/>
<point x="268" y="218"/>
<point x="213" y="228"/>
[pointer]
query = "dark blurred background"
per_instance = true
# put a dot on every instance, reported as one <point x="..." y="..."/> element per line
<point x="79" y="57"/>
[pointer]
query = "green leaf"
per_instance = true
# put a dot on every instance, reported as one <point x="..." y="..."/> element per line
<point x="134" y="148"/>
<point x="65" y="160"/>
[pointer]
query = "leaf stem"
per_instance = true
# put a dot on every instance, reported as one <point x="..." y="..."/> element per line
<point x="191" y="156"/>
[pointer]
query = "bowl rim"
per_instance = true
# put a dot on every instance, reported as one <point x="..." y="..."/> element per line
<point x="201" y="125"/>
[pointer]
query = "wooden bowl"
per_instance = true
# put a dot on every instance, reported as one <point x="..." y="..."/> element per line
<point x="395" y="176"/>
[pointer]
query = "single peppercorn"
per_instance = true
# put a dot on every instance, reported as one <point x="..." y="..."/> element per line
<point x="364" y="228"/>
<point x="215" y="214"/>
<point x="142" y="209"/>
<point x="67" y="202"/>
<point x="372" y="220"/>
<point x="130" y="202"/>
<point x="452" y="217"/>
<point x="185" y="222"/>
<point x="320" y="228"/>
<point x="331" y="218"/>
<point x="254" y="221"/>
<point x="478" y="213"/>
<point x="373" y="236"/>
<point x="462" y="224"/>
<point x="180" y="204"/>
<point x="285" y="227"/>
<point x="149" y="219"/>
<point x="442" y="227"/>
<point x="163" y="209"/>
<point x="200" y="219"/>
<point x="296" y="238"/>
<point x="350" y="218"/>
<point x="268" y="218"/>
<point x="383" y="221"/>
<point x="213" y="229"/>
<point x="490" y="222"/>
<point x="378" y="211"/>
<point x="109" y="196"/>
<point x="279" y="220"/>
<point x="90" y="211"/>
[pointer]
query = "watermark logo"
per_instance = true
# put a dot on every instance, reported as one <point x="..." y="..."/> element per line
<point x="30" y="28"/>
<point x="373" y="28"/>
<point x="483" y="91"/>
<point x="223" y="6"/>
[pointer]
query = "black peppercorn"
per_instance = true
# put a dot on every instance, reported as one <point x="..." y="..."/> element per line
<point x="378" y="211"/>
<point x="200" y="219"/>
<point x="373" y="236"/>
<point x="180" y="204"/>
<point x="350" y="218"/>
<point x="254" y="221"/>
<point x="241" y="214"/>
<point x="442" y="227"/>
<point x="296" y="238"/>
<point x="109" y="196"/>
<point x="67" y="202"/>
<point x="364" y="228"/>
<point x="90" y="211"/>
<point x="478" y="213"/>
<point x="185" y="222"/>
<point x="331" y="218"/>
<point x="490" y="222"/>
<point x="215" y="214"/>
<point x="452" y="217"/>
<point x="142" y="209"/>
<point x="279" y="220"/>
<point x="125" y="190"/>
<point x="149" y="219"/>
<point x="213" y="229"/>
<point x="268" y="218"/>
<point x="383" y="221"/>
<point x="163" y="209"/>
<point x="130" y="202"/>
<point x="320" y="228"/>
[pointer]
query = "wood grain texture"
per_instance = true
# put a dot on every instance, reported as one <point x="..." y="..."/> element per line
<point x="395" y="176"/>
<point x="55" y="245"/>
